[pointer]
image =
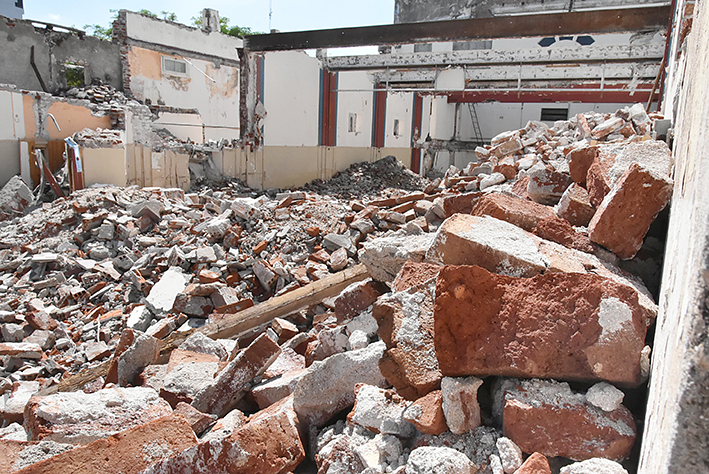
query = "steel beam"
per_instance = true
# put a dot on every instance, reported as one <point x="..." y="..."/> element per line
<point x="586" y="22"/>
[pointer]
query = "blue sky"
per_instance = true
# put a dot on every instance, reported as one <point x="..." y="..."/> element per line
<point x="288" y="15"/>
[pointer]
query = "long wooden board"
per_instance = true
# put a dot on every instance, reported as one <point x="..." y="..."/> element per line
<point x="233" y="325"/>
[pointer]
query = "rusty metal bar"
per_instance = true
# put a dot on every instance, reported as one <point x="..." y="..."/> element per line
<point x="587" y="22"/>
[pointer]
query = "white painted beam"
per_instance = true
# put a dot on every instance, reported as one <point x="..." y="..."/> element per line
<point x="530" y="73"/>
<point x="653" y="51"/>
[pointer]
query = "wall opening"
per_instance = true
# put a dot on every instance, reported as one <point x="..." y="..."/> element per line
<point x="552" y="115"/>
<point x="75" y="75"/>
<point x="173" y="67"/>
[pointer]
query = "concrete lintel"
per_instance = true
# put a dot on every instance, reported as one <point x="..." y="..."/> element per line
<point x="586" y="22"/>
<point x="528" y="73"/>
<point x="489" y="56"/>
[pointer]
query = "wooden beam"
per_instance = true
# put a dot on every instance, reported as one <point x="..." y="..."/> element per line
<point x="233" y="325"/>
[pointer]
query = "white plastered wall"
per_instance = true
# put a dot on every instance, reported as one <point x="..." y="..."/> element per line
<point x="355" y="103"/>
<point x="291" y="96"/>
<point x="12" y="128"/>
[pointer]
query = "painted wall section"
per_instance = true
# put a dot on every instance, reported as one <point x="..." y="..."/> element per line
<point x="398" y="119"/>
<point x="267" y="167"/>
<point x="212" y="90"/>
<point x="186" y="38"/>
<point x="291" y="98"/>
<point x="104" y="166"/>
<point x="357" y="106"/>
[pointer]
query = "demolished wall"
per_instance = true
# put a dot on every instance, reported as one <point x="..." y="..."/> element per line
<point x="100" y="59"/>
<point x="208" y="79"/>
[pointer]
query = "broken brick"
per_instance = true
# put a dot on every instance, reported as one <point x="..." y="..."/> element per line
<point x="547" y="417"/>
<point x="576" y="326"/>
<point x="625" y="215"/>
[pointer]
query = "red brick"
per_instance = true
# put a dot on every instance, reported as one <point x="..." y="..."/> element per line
<point x="411" y="367"/>
<point x="583" y="126"/>
<point x="546" y="186"/>
<point x="268" y="444"/>
<point x="569" y="326"/>
<point x="560" y="231"/>
<point x="198" y="421"/>
<point x="520" y="187"/>
<point x="460" y="204"/>
<point x="537" y="463"/>
<point x="625" y="215"/>
<point x="547" y="417"/>
<point x="260" y="247"/>
<point x="206" y="276"/>
<point x="426" y="414"/>
<point x="520" y="212"/>
<point x="41" y="320"/>
<point x="231" y="384"/>
<point x="356" y="298"/>
<point x="414" y="274"/>
<point x="580" y="160"/>
<point x="128" y="452"/>
<point x="575" y="206"/>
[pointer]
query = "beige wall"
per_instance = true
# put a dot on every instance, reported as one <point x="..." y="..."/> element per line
<point x="290" y="166"/>
<point x="166" y="169"/>
<point x="104" y="166"/>
<point x="135" y="165"/>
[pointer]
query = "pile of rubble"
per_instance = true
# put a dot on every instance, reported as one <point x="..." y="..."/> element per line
<point x="366" y="180"/>
<point x="98" y="94"/>
<point x="490" y="329"/>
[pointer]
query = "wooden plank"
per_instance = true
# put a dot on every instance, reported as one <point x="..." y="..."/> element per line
<point x="239" y="323"/>
<point x="235" y="324"/>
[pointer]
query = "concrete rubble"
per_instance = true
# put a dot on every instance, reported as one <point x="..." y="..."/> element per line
<point x="492" y="321"/>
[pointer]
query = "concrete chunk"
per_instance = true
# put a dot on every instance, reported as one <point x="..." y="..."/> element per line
<point x="380" y="411"/>
<point x="442" y="460"/>
<point x="460" y="403"/>
<point x="162" y="296"/>
<point x="328" y="386"/>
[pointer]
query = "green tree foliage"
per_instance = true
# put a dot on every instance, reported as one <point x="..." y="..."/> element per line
<point x="106" y="33"/>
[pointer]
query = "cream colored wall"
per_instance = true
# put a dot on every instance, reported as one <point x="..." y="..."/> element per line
<point x="286" y="167"/>
<point x="104" y="166"/>
<point x="135" y="165"/>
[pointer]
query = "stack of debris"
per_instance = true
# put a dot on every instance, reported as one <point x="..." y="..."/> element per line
<point x="496" y="333"/>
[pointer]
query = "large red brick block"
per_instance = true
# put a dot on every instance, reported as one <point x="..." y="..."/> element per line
<point x="80" y="418"/>
<point x="567" y="326"/>
<point x="532" y="217"/>
<point x="547" y="417"/>
<point x="503" y="248"/>
<point x="268" y="444"/>
<point x="625" y="215"/>
<point x="128" y="452"/>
